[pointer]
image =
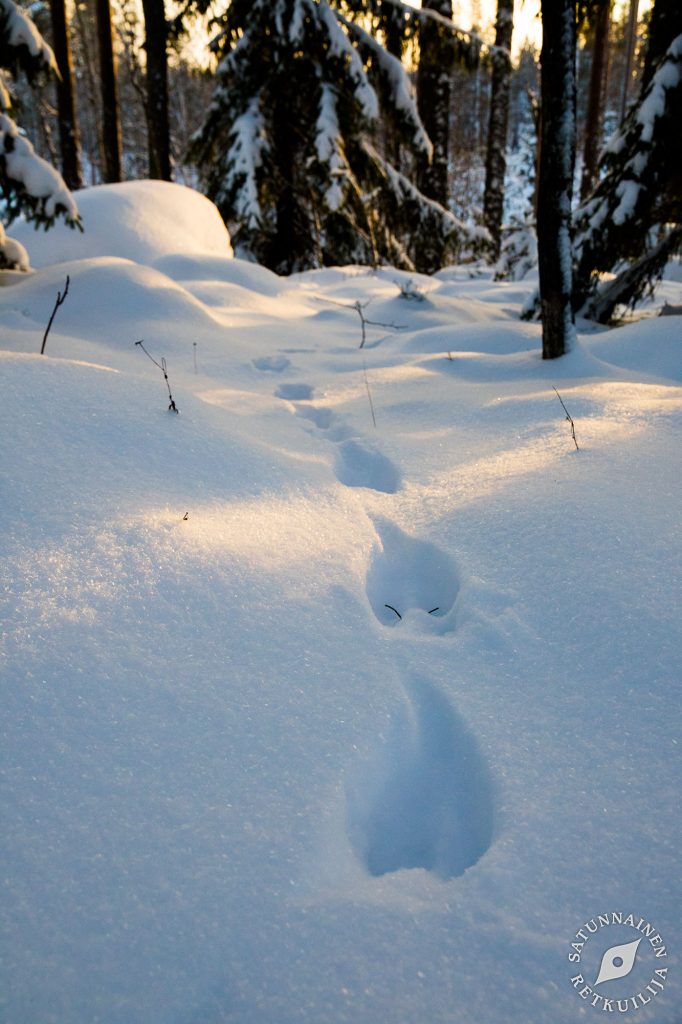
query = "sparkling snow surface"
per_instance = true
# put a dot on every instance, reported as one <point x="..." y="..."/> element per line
<point x="308" y="720"/>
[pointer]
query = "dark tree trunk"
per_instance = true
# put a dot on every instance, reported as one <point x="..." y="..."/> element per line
<point x="293" y="241"/>
<point x="436" y="56"/>
<point x="158" y="129"/>
<point x="496" y="157"/>
<point x="111" y="128"/>
<point x="594" y="125"/>
<point x="66" y="106"/>
<point x="555" y="185"/>
<point x="629" y="57"/>
<point x="392" y="21"/>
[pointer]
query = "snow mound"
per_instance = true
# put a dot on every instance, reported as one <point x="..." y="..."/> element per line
<point x="137" y="220"/>
<point x="652" y="347"/>
<point x="248" y="276"/>
<point x="111" y="302"/>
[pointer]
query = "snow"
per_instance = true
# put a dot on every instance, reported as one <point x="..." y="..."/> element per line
<point x="21" y="31"/>
<point x="666" y="78"/>
<point x="237" y="785"/>
<point x="248" y="147"/>
<point x="38" y="178"/>
<point x="137" y="220"/>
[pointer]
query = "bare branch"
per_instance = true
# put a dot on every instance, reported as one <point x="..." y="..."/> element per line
<point x="60" y="299"/>
<point x="569" y="419"/>
<point x="162" y="366"/>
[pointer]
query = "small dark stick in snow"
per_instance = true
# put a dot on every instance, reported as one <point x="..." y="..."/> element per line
<point x="569" y="419"/>
<point x="393" y="610"/>
<point x="162" y="366"/>
<point x="369" y="394"/>
<point x="60" y="299"/>
<point x="185" y="517"/>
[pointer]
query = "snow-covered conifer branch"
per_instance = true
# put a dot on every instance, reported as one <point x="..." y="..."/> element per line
<point x="394" y="76"/>
<point x="40" y="192"/>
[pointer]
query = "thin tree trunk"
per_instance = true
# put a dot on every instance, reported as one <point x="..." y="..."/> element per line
<point x="594" y="125"/>
<point x="66" y="104"/>
<point x="111" y="128"/>
<point x="496" y="157"/>
<point x="630" y="56"/>
<point x="158" y="129"/>
<point x="433" y="100"/>
<point x="555" y="185"/>
<point x="392" y="22"/>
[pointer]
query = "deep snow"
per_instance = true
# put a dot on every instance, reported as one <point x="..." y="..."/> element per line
<point x="308" y="720"/>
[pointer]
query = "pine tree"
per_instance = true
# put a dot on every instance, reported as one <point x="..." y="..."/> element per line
<point x="289" y="149"/>
<point x="111" y="125"/>
<point x="66" y="105"/>
<point x="436" y="60"/>
<point x="555" y="180"/>
<point x="158" y="127"/>
<point x="30" y="186"/>
<point x="496" y="158"/>
<point x="635" y="213"/>
<point x="594" y="126"/>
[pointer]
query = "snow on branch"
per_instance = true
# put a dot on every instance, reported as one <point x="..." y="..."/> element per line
<point x="246" y="155"/>
<point x="329" y="147"/>
<point x="393" y="72"/>
<point x="20" y="32"/>
<point x="404" y="191"/>
<point x="38" y="185"/>
<point x="426" y="14"/>
<point x="630" y="183"/>
<point x="340" y="46"/>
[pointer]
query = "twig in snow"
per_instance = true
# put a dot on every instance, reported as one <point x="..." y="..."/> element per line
<point x="162" y="366"/>
<point x="569" y="419"/>
<point x="360" y="308"/>
<point x="436" y="609"/>
<point x="60" y="299"/>
<point x="195" y="356"/>
<point x="185" y="517"/>
<point x="393" y="610"/>
<point x="369" y="394"/>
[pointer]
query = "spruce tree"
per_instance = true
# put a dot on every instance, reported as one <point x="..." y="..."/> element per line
<point x="632" y="223"/>
<point x="290" y="149"/>
<point x="29" y="185"/>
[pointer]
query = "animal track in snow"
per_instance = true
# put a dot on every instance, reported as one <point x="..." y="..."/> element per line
<point x="425" y="799"/>
<point x="294" y="392"/>
<point x="410" y="578"/>
<point x="322" y="418"/>
<point x="356" y="463"/>
<point x="360" y="466"/>
<point x="272" y="364"/>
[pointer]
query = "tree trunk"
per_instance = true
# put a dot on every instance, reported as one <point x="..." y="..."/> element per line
<point x="158" y="129"/>
<point x="629" y="57"/>
<point x="66" y="105"/>
<point x="111" y="128"/>
<point x="433" y="100"/>
<point x="594" y="125"/>
<point x="555" y="185"/>
<point x="496" y="157"/>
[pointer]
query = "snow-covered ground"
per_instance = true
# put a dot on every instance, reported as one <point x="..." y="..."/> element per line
<point x="312" y="720"/>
